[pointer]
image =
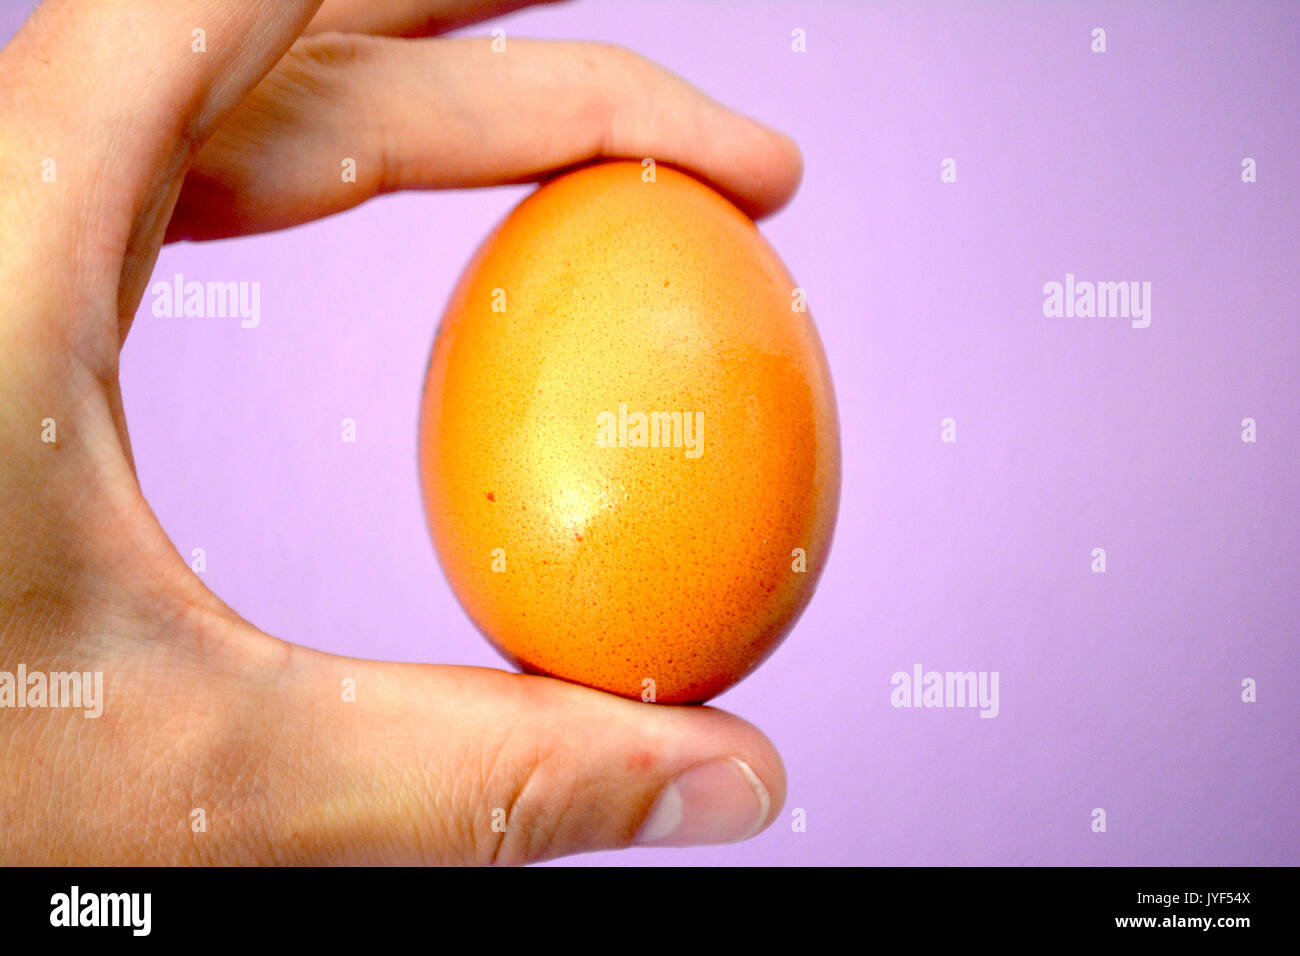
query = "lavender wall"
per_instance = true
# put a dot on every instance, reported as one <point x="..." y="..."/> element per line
<point x="1119" y="690"/>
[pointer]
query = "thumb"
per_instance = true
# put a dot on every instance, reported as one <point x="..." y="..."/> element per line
<point x="436" y="764"/>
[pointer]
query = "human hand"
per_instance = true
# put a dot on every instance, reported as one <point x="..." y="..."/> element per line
<point x="151" y="141"/>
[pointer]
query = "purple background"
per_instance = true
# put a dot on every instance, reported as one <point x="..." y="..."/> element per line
<point x="1119" y="691"/>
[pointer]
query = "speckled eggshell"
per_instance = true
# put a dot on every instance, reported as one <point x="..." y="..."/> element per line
<point x="616" y="567"/>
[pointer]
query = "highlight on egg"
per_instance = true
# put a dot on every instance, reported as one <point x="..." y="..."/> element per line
<point x="629" y="450"/>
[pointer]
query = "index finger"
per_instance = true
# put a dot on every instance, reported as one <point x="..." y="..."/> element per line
<point x="410" y="18"/>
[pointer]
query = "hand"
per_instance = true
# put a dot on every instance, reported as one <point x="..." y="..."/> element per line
<point x="205" y="719"/>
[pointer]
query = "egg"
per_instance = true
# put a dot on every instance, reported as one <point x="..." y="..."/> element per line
<point x="629" y="448"/>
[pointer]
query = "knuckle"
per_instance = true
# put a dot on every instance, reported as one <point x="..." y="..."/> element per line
<point x="511" y="826"/>
<point x="333" y="50"/>
<point x="519" y="792"/>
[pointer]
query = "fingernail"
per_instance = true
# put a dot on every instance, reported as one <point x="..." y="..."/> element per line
<point x="721" y="801"/>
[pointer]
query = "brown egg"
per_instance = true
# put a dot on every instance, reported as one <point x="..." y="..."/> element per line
<point x="628" y="445"/>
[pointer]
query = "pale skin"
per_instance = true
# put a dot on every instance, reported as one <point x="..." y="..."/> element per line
<point x="154" y="142"/>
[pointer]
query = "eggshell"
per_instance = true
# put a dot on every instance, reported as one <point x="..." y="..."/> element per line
<point x="665" y="570"/>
